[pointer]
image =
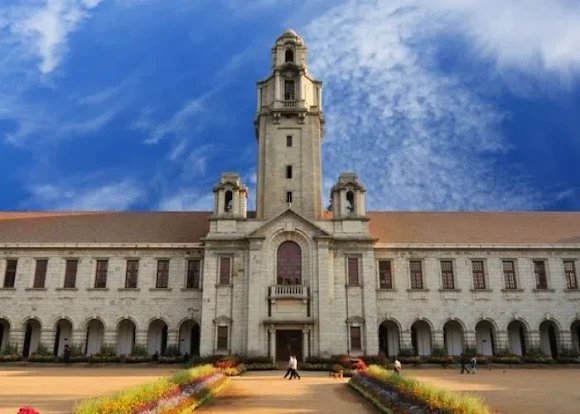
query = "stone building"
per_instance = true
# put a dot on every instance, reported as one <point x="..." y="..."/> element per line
<point x="291" y="276"/>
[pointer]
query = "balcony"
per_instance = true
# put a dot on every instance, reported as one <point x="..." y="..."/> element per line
<point x="289" y="292"/>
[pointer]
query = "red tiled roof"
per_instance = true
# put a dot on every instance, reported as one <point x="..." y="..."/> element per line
<point x="475" y="228"/>
<point x="103" y="227"/>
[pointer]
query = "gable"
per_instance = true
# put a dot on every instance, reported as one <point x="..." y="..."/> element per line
<point x="289" y="220"/>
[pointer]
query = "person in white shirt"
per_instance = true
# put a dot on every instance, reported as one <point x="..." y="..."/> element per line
<point x="294" y="365"/>
<point x="397" y="367"/>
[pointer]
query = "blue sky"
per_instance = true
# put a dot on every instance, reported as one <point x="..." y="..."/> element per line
<point x="141" y="104"/>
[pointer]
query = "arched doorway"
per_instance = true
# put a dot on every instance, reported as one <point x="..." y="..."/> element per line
<point x="31" y="337"/>
<point x="421" y="338"/>
<point x="517" y="337"/>
<point x="157" y="337"/>
<point x="125" y="337"/>
<point x="485" y="338"/>
<point x="4" y="334"/>
<point x="189" y="338"/>
<point x="549" y="334"/>
<point x="575" y="329"/>
<point x="389" y="338"/>
<point x="62" y="336"/>
<point x="95" y="337"/>
<point x="289" y="264"/>
<point x="453" y="337"/>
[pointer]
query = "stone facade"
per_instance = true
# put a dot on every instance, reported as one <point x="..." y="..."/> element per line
<point x="290" y="278"/>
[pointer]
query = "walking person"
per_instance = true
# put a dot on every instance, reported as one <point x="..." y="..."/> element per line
<point x="66" y="353"/>
<point x="397" y="367"/>
<point x="289" y="368"/>
<point x="473" y="364"/>
<point x="464" y="365"/>
<point x="294" y="373"/>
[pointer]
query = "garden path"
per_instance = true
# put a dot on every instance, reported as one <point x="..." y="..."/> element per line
<point x="267" y="392"/>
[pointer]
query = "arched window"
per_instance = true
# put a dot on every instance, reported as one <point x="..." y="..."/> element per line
<point x="228" y="201"/>
<point x="289" y="264"/>
<point x="289" y="56"/>
<point x="350" y="202"/>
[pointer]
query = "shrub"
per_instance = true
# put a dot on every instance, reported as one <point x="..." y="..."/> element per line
<point x="406" y="352"/>
<point x="261" y="366"/>
<point x="139" y="350"/>
<point x="172" y="351"/>
<point x="10" y="349"/>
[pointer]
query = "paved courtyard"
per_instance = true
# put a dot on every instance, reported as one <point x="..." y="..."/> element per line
<point x="57" y="389"/>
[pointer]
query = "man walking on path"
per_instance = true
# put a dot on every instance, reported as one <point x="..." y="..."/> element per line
<point x="289" y="369"/>
<point x="463" y="363"/>
<point x="294" y="366"/>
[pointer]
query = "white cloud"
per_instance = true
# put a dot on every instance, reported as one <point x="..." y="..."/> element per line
<point x="420" y="139"/>
<point x="119" y="195"/>
<point x="43" y="30"/>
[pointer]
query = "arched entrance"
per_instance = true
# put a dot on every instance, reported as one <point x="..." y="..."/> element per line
<point x="575" y="330"/>
<point x="62" y="336"/>
<point x="453" y="338"/>
<point x="517" y="337"/>
<point x="549" y="334"/>
<point x="4" y="334"/>
<point x="125" y="337"/>
<point x="485" y="338"/>
<point x="189" y="338"/>
<point x="31" y="337"/>
<point x="289" y="264"/>
<point x="389" y="338"/>
<point x="157" y="337"/>
<point x="95" y="337"/>
<point x="421" y="338"/>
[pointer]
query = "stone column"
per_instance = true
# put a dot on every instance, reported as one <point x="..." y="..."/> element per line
<point x="405" y="339"/>
<point x="277" y="86"/>
<point x="438" y="340"/>
<point x="79" y="340"/>
<point x="470" y="342"/>
<point x="110" y="339"/>
<point x="565" y="341"/>
<point x="173" y="337"/>
<point x="47" y="339"/>
<point x="501" y="342"/>
<point x="272" y="350"/>
<point x="305" y="347"/>
<point x="533" y="340"/>
<point x="16" y="339"/>
<point x="141" y="337"/>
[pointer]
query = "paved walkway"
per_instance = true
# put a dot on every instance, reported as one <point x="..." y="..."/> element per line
<point x="267" y="392"/>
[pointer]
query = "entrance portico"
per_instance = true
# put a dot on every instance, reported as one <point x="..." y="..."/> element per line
<point x="286" y="339"/>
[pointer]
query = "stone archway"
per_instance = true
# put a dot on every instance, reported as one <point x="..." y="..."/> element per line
<point x="4" y="334"/>
<point x="95" y="337"/>
<point x="389" y="338"/>
<point x="453" y="338"/>
<point x="575" y="330"/>
<point x="189" y="338"/>
<point x="549" y="338"/>
<point x="517" y="337"/>
<point x="157" y="337"/>
<point x="62" y="336"/>
<point x="126" y="330"/>
<point x="421" y="338"/>
<point x="31" y="337"/>
<point x="485" y="338"/>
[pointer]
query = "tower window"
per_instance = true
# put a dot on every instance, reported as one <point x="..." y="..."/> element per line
<point x="289" y="196"/>
<point x="350" y="202"/>
<point x="289" y="90"/>
<point x="288" y="171"/>
<point x="288" y="140"/>
<point x="228" y="201"/>
<point x="289" y="56"/>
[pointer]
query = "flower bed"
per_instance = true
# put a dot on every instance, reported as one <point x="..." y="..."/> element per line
<point x="392" y="393"/>
<point x="185" y="390"/>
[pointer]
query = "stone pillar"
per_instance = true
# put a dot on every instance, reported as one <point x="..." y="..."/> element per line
<point x="305" y="347"/>
<point x="533" y="340"/>
<point x="438" y="341"/>
<point x="79" y="340"/>
<point x="405" y="338"/>
<point x="565" y="340"/>
<point x="272" y="350"/>
<point x="501" y="342"/>
<point x="47" y="339"/>
<point x="16" y="339"/>
<point x="327" y="330"/>
<point x="173" y="337"/>
<point x="277" y="86"/>
<point x="470" y="341"/>
<point x="110" y="339"/>
<point x="141" y="337"/>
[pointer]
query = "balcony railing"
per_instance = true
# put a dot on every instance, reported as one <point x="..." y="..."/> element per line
<point x="292" y="103"/>
<point x="289" y="291"/>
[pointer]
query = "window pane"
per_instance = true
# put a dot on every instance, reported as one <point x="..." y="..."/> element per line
<point x="162" y="274"/>
<point x="193" y="274"/>
<point x="40" y="273"/>
<point x="288" y="90"/>
<point x="289" y="140"/>
<point x="447" y="274"/>
<point x="222" y="339"/>
<point x="509" y="275"/>
<point x="289" y="264"/>
<point x="101" y="274"/>
<point x="478" y="275"/>
<point x="225" y="270"/>
<point x="132" y="273"/>
<point x="355" y="338"/>
<point x="570" y="271"/>
<point x="385" y="276"/>
<point x="540" y="273"/>
<point x="416" y="274"/>
<point x="10" y="274"/>
<point x="353" y="279"/>
<point x="70" y="273"/>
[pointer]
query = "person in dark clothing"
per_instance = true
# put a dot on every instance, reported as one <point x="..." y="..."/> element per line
<point x="464" y="365"/>
<point x="289" y="369"/>
<point x="294" y="366"/>
<point x="66" y="353"/>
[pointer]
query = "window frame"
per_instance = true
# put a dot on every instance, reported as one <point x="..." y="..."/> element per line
<point x="475" y="285"/>
<point x="187" y="273"/>
<point x="289" y="89"/>
<point x="13" y="276"/>
<point x="446" y="274"/>
<point x="40" y="276"/>
<point x="220" y="279"/>
<point x="289" y="172"/>
<point x="539" y="275"/>
<point x="506" y="276"/>
<point x="221" y="339"/>
<point x="289" y="197"/>
<point x="349" y="281"/>
<point x="391" y="284"/>
<point x="412" y="277"/>
<point x="356" y="343"/>
<point x="162" y="274"/>
<point x="132" y="275"/>
<point x="101" y="273"/>
<point x="289" y="141"/>
<point x="574" y="285"/>
<point x="68" y="276"/>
